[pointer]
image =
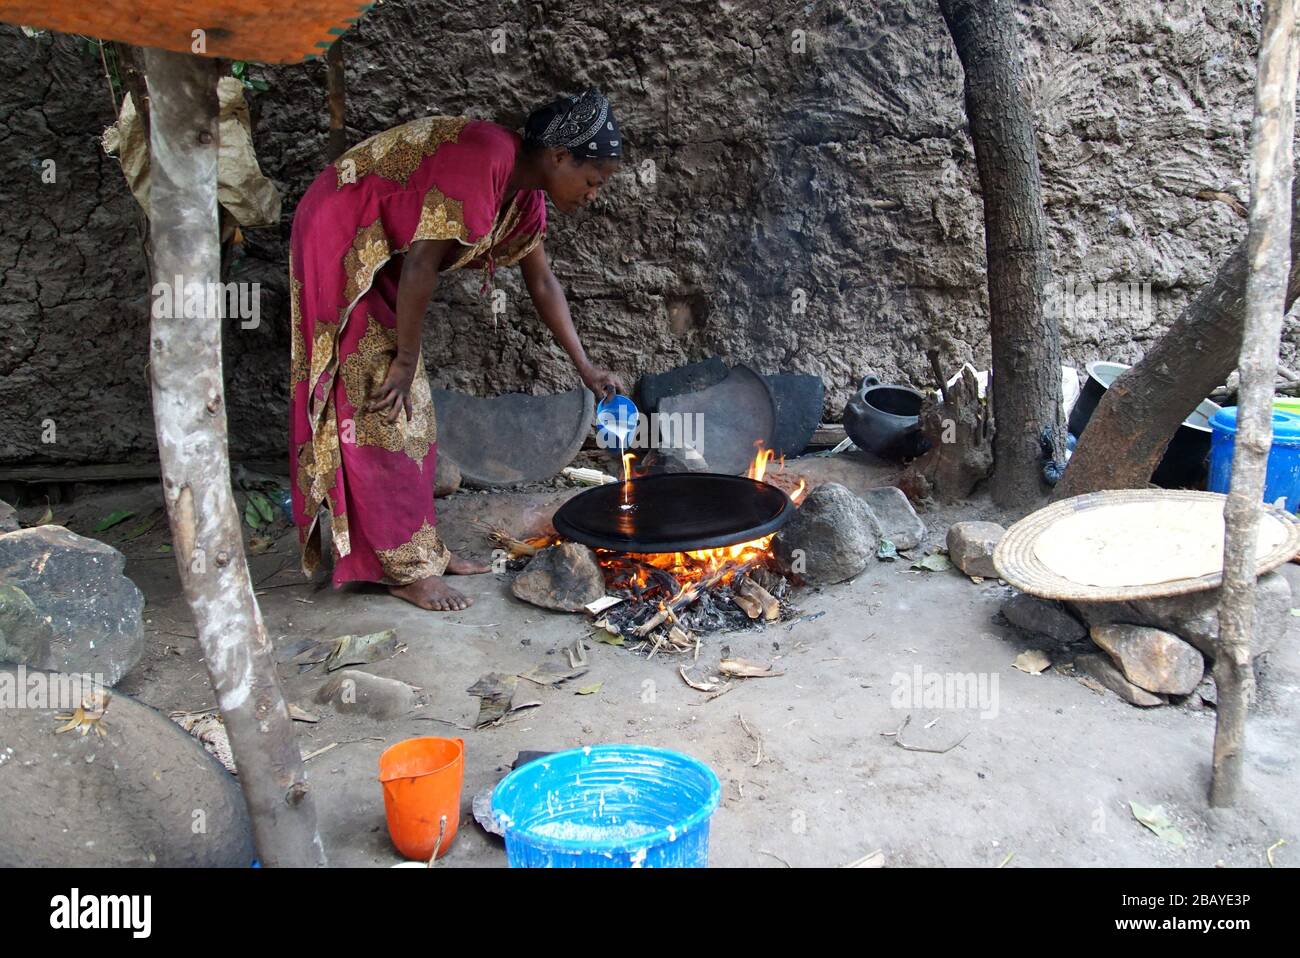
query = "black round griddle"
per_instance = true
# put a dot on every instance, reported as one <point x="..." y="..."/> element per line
<point x="674" y="512"/>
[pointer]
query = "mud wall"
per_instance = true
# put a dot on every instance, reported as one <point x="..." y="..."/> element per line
<point x="800" y="195"/>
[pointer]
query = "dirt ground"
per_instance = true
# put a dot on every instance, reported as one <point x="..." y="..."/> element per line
<point x="1042" y="778"/>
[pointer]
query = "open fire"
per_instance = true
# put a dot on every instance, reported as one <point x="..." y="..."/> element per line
<point x="668" y="597"/>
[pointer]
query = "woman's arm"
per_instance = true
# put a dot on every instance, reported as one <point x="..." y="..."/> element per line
<point x="548" y="297"/>
<point x="414" y="290"/>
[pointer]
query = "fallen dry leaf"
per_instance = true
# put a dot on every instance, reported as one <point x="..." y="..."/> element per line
<point x="743" y="669"/>
<point x="698" y="686"/>
<point x="1032" y="661"/>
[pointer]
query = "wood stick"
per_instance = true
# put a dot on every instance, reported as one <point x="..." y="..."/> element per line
<point x="1269" y="256"/>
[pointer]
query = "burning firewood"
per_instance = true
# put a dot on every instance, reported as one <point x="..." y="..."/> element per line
<point x="680" y="637"/>
<point x="756" y="594"/>
<point x="751" y="606"/>
<point x="515" y="548"/>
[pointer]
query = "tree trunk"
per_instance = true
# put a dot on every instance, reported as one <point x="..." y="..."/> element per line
<point x="190" y="415"/>
<point x="1142" y="410"/>
<point x="1268" y="253"/>
<point x="1026" y="378"/>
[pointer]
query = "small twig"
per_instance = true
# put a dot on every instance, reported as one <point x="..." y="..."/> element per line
<point x="442" y="831"/>
<point x="320" y="751"/>
<point x="1271" y="848"/>
<point x="758" y="756"/>
<point x="112" y="94"/>
<point x="713" y="695"/>
<point x="764" y="851"/>
<point x="898" y="740"/>
<point x="347" y="741"/>
<point x="268" y="578"/>
<point x="443" y="721"/>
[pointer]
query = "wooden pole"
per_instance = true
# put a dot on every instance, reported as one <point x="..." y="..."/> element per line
<point x="190" y="418"/>
<point x="1026" y="379"/>
<point x="1269" y="257"/>
<point x="336" y="82"/>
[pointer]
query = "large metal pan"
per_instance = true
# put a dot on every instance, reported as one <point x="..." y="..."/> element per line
<point x="674" y="512"/>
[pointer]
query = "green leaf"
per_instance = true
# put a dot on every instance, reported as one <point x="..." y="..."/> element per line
<point x="887" y="552"/>
<point x="608" y="637"/>
<point x="112" y="519"/>
<point x="141" y="529"/>
<point x="1155" y="819"/>
<point x="238" y="67"/>
<point x="933" y="563"/>
<point x="590" y="689"/>
<point x="261" y="86"/>
<point x="263" y="505"/>
<point x="252" y="517"/>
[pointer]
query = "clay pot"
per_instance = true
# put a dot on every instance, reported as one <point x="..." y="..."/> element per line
<point x="884" y="420"/>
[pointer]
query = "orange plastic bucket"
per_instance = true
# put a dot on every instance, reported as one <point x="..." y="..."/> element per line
<point x="422" y="783"/>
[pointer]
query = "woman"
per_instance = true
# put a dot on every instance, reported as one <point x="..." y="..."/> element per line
<point x="370" y="239"/>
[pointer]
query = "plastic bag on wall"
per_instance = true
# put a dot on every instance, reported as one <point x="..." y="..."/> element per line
<point x="242" y="190"/>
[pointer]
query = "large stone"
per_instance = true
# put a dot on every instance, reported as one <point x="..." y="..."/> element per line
<point x="352" y="690"/>
<point x="144" y="793"/>
<point x="971" y="545"/>
<point x="831" y="538"/>
<point x="670" y="460"/>
<point x="895" y="517"/>
<point x="1153" y="659"/>
<point x="446" y="479"/>
<point x="76" y="585"/>
<point x="25" y="634"/>
<point x="564" y="577"/>
<point x="1195" y="617"/>
<point x="1101" y="669"/>
<point x="1043" y="617"/>
<point x="8" y="518"/>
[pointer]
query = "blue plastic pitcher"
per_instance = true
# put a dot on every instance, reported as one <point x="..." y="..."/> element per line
<point x="616" y="421"/>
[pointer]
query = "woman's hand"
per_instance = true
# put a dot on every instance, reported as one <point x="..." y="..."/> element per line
<point x="600" y="381"/>
<point x="394" y="394"/>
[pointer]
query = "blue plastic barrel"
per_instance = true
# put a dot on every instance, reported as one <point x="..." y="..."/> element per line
<point x="608" y="806"/>
<point x="1282" y="479"/>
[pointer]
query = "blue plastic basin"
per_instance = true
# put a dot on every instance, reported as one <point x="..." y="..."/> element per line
<point x="1282" y="478"/>
<point x="608" y="806"/>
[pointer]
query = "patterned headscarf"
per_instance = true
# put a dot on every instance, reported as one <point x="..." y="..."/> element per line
<point x="583" y="124"/>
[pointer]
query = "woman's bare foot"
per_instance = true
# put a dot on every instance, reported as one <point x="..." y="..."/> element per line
<point x="459" y="566"/>
<point x="433" y="594"/>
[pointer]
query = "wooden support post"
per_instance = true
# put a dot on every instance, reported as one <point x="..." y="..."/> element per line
<point x="336" y="81"/>
<point x="1269" y="258"/>
<point x="190" y="417"/>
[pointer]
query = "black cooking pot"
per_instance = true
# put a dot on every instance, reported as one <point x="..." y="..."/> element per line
<point x="885" y="420"/>
<point x="1184" y="464"/>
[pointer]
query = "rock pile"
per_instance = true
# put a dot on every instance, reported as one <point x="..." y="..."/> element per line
<point x="1156" y="650"/>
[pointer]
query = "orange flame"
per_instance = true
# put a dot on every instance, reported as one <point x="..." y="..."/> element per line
<point x="690" y="567"/>
<point x="759" y="466"/>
